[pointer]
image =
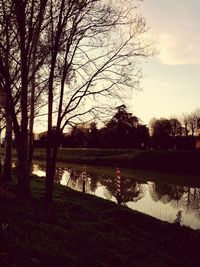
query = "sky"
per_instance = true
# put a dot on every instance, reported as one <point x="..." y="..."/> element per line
<point x="171" y="82"/>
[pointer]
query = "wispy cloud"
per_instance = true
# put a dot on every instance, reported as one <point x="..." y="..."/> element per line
<point x="176" y="27"/>
<point x="179" y="49"/>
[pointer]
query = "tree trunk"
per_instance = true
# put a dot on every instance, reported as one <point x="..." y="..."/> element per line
<point x="31" y="149"/>
<point x="51" y="152"/>
<point x="0" y="152"/>
<point x="50" y="172"/>
<point x="32" y="111"/>
<point x="31" y="123"/>
<point x="32" y="108"/>
<point x="22" y="136"/>
<point x="7" y="167"/>
<point x="50" y="165"/>
<point x="23" y="168"/>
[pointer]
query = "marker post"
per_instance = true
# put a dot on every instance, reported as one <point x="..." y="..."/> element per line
<point x="118" y="186"/>
<point x="84" y="177"/>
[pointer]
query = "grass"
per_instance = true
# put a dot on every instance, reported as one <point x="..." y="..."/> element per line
<point x="171" y="161"/>
<point x="79" y="230"/>
<point x="184" y="162"/>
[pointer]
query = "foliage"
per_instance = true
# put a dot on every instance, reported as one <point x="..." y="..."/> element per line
<point x="172" y="134"/>
<point x="123" y="130"/>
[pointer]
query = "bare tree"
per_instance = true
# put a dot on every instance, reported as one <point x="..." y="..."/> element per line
<point x="7" y="165"/>
<point x="2" y="115"/>
<point x="88" y="52"/>
<point x="185" y="122"/>
<point x="176" y="130"/>
<point x="190" y="122"/>
<point x="193" y="119"/>
<point x="95" y="49"/>
<point x="196" y="117"/>
<point x="20" y="26"/>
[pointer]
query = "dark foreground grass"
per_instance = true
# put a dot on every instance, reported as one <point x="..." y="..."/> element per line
<point x="80" y="230"/>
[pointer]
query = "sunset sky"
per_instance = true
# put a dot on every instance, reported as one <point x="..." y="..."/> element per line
<point x="171" y="83"/>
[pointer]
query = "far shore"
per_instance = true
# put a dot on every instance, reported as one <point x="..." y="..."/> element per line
<point x="179" y="162"/>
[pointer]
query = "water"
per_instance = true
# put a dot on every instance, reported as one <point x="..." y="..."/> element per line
<point x="166" y="202"/>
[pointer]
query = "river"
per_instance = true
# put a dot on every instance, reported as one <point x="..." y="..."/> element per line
<point x="164" y="201"/>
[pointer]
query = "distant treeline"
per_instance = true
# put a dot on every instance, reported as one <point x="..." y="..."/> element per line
<point x="124" y="130"/>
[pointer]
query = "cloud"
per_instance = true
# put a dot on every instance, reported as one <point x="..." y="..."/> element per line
<point x="178" y="49"/>
<point x="175" y="24"/>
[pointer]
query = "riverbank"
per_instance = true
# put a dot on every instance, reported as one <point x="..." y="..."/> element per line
<point x="79" y="230"/>
<point x="183" y="162"/>
<point x="171" y="161"/>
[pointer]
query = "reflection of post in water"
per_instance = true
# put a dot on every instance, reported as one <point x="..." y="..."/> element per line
<point x="59" y="173"/>
<point x="84" y="177"/>
<point x="118" y="186"/>
<point x="178" y="219"/>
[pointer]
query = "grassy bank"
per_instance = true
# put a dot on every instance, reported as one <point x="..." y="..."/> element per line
<point x="171" y="161"/>
<point x="81" y="230"/>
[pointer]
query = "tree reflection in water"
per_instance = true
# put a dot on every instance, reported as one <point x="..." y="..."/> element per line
<point x="165" y="192"/>
<point x="168" y="198"/>
<point x="182" y="198"/>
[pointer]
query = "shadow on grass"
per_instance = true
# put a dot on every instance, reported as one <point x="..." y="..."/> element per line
<point x="77" y="229"/>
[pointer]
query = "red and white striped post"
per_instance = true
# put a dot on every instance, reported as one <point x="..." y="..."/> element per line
<point x="118" y="186"/>
<point x="59" y="173"/>
<point x="56" y="176"/>
<point x="84" y="177"/>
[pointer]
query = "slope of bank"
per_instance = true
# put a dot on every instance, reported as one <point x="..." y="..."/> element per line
<point x="171" y="161"/>
<point x="82" y="230"/>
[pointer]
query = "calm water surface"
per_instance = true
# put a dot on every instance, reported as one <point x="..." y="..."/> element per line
<point x="162" y="201"/>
